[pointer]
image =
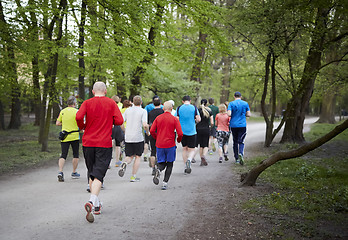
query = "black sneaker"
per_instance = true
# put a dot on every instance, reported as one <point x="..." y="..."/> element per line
<point x="188" y="167"/>
<point x="156" y="177"/>
<point x="220" y="159"/>
<point x="226" y="157"/>
<point x="122" y="169"/>
<point x="60" y="177"/>
<point x="153" y="171"/>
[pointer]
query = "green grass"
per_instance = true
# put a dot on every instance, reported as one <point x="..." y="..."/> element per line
<point x="308" y="189"/>
<point x="20" y="148"/>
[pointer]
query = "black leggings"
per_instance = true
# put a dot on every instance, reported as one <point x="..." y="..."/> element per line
<point x="169" y="167"/>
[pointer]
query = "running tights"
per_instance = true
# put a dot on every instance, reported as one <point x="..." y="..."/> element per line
<point x="169" y="167"/>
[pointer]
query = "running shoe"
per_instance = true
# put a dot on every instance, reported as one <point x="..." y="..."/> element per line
<point x="156" y="177"/>
<point x="60" y="177"/>
<point x="122" y="169"/>
<point x="220" y="159"/>
<point x="88" y="189"/>
<point x="204" y="161"/>
<point x="145" y="159"/>
<point x="193" y="160"/>
<point x="134" y="179"/>
<point x="241" y="159"/>
<point x="97" y="210"/>
<point x="75" y="175"/>
<point x="89" y="208"/>
<point x="117" y="164"/>
<point x="188" y="167"/>
<point x="153" y="171"/>
<point x="164" y="186"/>
<point x="226" y="157"/>
<point x="210" y="152"/>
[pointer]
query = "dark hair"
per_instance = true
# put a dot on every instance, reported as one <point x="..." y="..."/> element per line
<point x="126" y="103"/>
<point x="204" y="101"/>
<point x="157" y="102"/>
<point x="186" y="98"/>
<point x="211" y="101"/>
<point x="155" y="97"/>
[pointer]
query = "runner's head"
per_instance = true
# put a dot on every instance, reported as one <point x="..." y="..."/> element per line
<point x="99" y="89"/>
<point x="137" y="101"/>
<point x="186" y="98"/>
<point x="71" y="101"/>
<point x="237" y="95"/>
<point x="167" y="106"/>
<point x="222" y="108"/>
<point x="211" y="101"/>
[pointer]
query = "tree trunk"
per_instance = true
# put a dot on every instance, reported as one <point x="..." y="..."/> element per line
<point x="226" y="72"/>
<point x="81" y="52"/>
<point x="327" y="113"/>
<point x="36" y="89"/>
<point x="198" y="62"/>
<point x="138" y="75"/>
<point x="296" y="109"/>
<point x="249" y="179"/>
<point x="11" y="73"/>
<point x="2" y="117"/>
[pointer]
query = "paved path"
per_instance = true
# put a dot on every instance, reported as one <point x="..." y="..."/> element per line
<point x="36" y="206"/>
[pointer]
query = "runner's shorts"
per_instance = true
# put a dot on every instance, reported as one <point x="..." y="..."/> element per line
<point x="189" y="141"/>
<point x="97" y="161"/>
<point x="134" y="149"/>
<point x="166" y="154"/>
<point x="65" y="148"/>
<point x="202" y="138"/>
<point x="153" y="146"/>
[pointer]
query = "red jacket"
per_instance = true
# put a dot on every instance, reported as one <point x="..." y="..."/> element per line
<point x="163" y="130"/>
<point x="100" y="114"/>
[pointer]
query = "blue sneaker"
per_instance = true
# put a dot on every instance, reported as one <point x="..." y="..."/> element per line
<point x="188" y="167"/>
<point x="164" y="186"/>
<point x="75" y="175"/>
<point x="60" y="177"/>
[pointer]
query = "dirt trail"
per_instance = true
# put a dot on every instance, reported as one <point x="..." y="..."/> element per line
<point x="36" y="206"/>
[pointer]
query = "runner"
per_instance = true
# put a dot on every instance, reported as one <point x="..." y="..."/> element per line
<point x="188" y="116"/>
<point x="203" y="130"/>
<point x="67" y="120"/>
<point x="163" y="130"/>
<point x="100" y="114"/>
<point x="223" y="133"/>
<point x="151" y="118"/>
<point x="136" y="118"/>
<point x="238" y="110"/>
<point x="212" y="134"/>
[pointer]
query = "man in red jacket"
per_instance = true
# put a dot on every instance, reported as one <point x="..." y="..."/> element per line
<point x="163" y="130"/>
<point x="100" y="114"/>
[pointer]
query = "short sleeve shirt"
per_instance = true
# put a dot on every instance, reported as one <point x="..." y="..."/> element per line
<point x="187" y="114"/>
<point x="135" y="117"/>
<point x="214" y="110"/>
<point x="238" y="110"/>
<point x="67" y="118"/>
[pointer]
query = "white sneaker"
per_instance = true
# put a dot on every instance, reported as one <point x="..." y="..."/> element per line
<point x="164" y="186"/>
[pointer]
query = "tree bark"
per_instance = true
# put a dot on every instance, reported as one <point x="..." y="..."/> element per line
<point x="2" y="117"/>
<point x="81" y="52"/>
<point x="226" y="72"/>
<point x="249" y="179"/>
<point x="11" y="72"/>
<point x="138" y="75"/>
<point x="298" y="105"/>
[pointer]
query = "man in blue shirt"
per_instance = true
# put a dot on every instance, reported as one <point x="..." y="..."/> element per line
<point x="238" y="110"/>
<point x="188" y="116"/>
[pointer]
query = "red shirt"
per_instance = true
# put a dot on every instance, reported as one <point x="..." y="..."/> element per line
<point x="222" y="121"/>
<point x="163" y="130"/>
<point x="101" y="114"/>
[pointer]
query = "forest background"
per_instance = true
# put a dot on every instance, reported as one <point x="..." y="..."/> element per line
<point x="287" y="57"/>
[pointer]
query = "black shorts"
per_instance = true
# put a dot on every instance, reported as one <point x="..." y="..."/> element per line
<point x="65" y="148"/>
<point x="97" y="161"/>
<point x="212" y="132"/>
<point x="153" y="146"/>
<point x="117" y="143"/>
<point x="189" y="141"/>
<point x="134" y="149"/>
<point x="202" y="138"/>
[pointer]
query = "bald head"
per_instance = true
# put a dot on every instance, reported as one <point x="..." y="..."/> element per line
<point x="167" y="106"/>
<point x="99" y="89"/>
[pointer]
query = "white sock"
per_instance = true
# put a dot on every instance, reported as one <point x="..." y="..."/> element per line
<point x="94" y="199"/>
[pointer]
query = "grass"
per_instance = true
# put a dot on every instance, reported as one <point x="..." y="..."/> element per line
<point x="20" y="149"/>
<point x="308" y="190"/>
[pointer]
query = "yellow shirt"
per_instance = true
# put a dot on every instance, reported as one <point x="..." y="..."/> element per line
<point x="67" y="118"/>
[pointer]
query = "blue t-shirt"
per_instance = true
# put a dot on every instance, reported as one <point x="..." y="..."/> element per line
<point x="150" y="107"/>
<point x="238" y="110"/>
<point x="187" y="115"/>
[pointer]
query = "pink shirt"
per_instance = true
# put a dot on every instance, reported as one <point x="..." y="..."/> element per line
<point x="222" y="121"/>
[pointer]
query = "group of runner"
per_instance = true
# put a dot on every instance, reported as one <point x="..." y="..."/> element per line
<point x="163" y="127"/>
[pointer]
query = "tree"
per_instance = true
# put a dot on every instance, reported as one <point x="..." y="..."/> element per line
<point x="249" y="179"/>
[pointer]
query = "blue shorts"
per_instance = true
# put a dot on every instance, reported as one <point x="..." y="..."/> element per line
<point x="166" y="154"/>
